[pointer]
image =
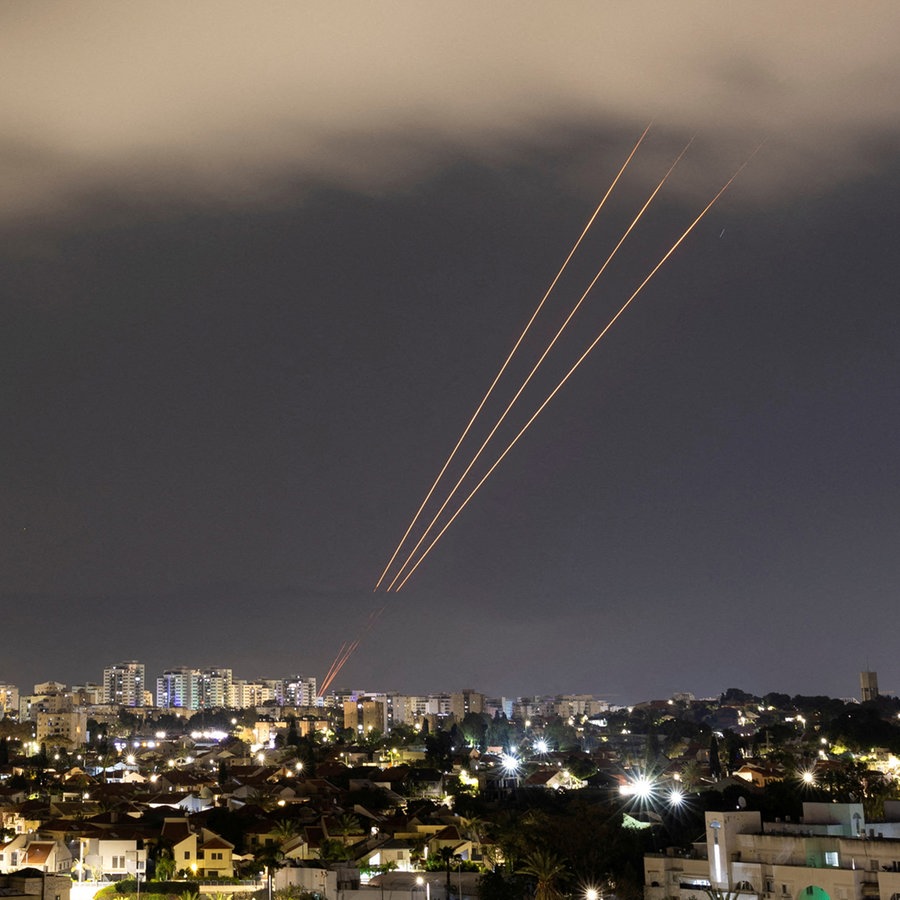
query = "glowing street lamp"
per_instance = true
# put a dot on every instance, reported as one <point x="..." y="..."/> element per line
<point x="641" y="787"/>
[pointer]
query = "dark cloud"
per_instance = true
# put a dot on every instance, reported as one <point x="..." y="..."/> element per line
<point x="226" y="101"/>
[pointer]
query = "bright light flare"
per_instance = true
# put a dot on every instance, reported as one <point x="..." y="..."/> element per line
<point x="808" y="777"/>
<point x="541" y="746"/>
<point x="676" y="798"/>
<point x="642" y="787"/>
<point x="509" y="764"/>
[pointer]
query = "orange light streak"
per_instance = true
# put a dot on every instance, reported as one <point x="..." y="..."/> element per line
<point x="338" y="665"/>
<point x="507" y="361"/>
<point x="571" y="371"/>
<point x="334" y="663"/>
<point x="347" y="650"/>
<point x="538" y="364"/>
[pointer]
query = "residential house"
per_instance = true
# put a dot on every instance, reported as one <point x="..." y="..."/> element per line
<point x="113" y="856"/>
<point x="449" y="838"/>
<point x="203" y="853"/>
<point x="46" y="856"/>
<point x="554" y="779"/>
<point x="12" y="851"/>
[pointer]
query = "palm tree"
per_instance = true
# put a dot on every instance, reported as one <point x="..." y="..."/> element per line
<point x="448" y="856"/>
<point x="286" y="829"/>
<point x="165" y="865"/>
<point x="473" y="828"/>
<point x="546" y="867"/>
<point x="417" y="852"/>
<point x="348" y="824"/>
<point x="690" y="775"/>
<point x="332" y="850"/>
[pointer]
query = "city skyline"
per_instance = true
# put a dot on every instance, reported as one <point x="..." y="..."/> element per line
<point x="126" y="684"/>
<point x="258" y="278"/>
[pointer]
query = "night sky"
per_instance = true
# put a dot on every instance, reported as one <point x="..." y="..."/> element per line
<point x="261" y="262"/>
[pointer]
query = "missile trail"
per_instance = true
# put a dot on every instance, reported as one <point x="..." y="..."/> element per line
<point x="340" y="664"/>
<point x="510" y="356"/>
<point x="569" y="374"/>
<point x="538" y="364"/>
<point x="331" y="668"/>
<point x="347" y="650"/>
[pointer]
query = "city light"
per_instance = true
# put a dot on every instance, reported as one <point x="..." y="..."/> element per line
<point x="642" y="787"/>
<point x="509" y="764"/>
<point x="541" y="746"/>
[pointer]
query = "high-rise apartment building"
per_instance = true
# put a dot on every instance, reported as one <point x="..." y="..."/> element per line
<point x="364" y="716"/>
<point x="246" y="694"/>
<point x="9" y="699"/>
<point x="124" y="683"/>
<point x="87" y="694"/>
<point x="868" y="686"/>
<point x="178" y="688"/>
<point x="66" y="728"/>
<point x="300" y="691"/>
<point x="214" y="688"/>
<point x="464" y="702"/>
<point x="410" y="709"/>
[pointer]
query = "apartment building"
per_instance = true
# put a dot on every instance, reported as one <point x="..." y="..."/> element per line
<point x="831" y="854"/>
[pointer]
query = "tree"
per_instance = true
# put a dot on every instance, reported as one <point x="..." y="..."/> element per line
<point x="447" y="856"/>
<point x="474" y="727"/>
<point x="333" y="850"/>
<point x="690" y="775"/>
<point x="165" y="865"/>
<point x="546" y="868"/>
<point x="473" y="828"/>
<point x="439" y="751"/>
<point x="715" y="767"/>
<point x="286" y="829"/>
<point x="268" y="858"/>
<point x="499" y="731"/>
<point x="348" y="824"/>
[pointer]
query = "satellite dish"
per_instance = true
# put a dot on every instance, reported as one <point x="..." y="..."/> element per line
<point x="742" y="802"/>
